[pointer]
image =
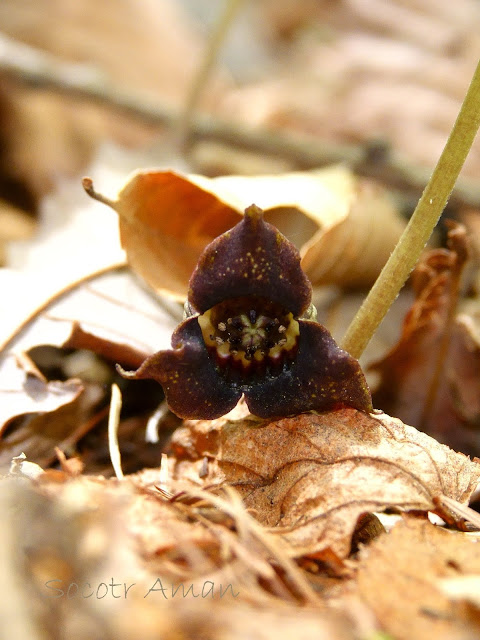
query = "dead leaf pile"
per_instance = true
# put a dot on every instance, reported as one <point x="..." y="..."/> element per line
<point x="158" y="534"/>
<point x="319" y="525"/>
<point x="280" y="522"/>
<point x="250" y="520"/>
<point x="417" y="559"/>
<point x="45" y="135"/>
<point x="152" y="566"/>
<point x="246" y="523"/>
<point x="363" y="71"/>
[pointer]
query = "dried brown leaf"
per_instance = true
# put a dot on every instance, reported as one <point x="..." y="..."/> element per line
<point x="352" y="251"/>
<point x="74" y="544"/>
<point x="416" y="558"/>
<point x="62" y="423"/>
<point x="312" y="476"/>
<point x="109" y="315"/>
<point x="430" y="377"/>
<point x="166" y="219"/>
<point x="22" y="393"/>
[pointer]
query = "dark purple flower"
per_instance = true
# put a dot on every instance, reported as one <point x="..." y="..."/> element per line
<point x="247" y="336"/>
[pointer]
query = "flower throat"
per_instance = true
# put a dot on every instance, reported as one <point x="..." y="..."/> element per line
<point x="250" y="332"/>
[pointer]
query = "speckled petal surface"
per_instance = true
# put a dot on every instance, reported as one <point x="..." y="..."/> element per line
<point x="322" y="377"/>
<point x="252" y="259"/>
<point x="188" y="376"/>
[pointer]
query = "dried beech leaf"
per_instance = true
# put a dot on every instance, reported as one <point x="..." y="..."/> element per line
<point x="352" y="252"/>
<point x="166" y="219"/>
<point x="431" y="376"/>
<point x="312" y="476"/>
<point x="165" y="223"/>
<point x="417" y="558"/>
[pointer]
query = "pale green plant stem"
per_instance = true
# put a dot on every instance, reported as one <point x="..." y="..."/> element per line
<point x="426" y="215"/>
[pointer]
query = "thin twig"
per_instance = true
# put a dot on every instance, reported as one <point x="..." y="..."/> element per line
<point x="207" y="63"/>
<point x="39" y="69"/>
<point x="421" y="224"/>
<point x="113" y="422"/>
<point x="460" y="510"/>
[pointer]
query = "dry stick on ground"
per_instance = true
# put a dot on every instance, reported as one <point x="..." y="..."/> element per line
<point x="421" y="224"/>
<point x="39" y="69"/>
<point x="207" y="63"/>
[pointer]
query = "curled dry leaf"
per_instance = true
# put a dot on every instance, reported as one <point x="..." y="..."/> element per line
<point x="430" y="378"/>
<point x="312" y="476"/>
<point x="46" y="415"/>
<point x="107" y="314"/>
<point x="166" y="219"/>
<point x="418" y="559"/>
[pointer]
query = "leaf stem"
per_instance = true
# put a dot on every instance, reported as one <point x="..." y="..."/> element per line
<point x="87" y="184"/>
<point x="424" y="219"/>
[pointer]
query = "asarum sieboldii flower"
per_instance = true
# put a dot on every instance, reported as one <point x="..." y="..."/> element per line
<point x="249" y="334"/>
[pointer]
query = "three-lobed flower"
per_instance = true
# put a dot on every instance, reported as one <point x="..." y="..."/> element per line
<point x="250" y="332"/>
